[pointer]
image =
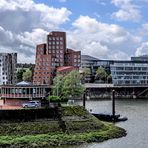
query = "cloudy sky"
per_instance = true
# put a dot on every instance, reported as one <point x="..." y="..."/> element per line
<point x="106" y="29"/>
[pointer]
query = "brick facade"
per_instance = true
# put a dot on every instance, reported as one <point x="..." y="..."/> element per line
<point x="72" y="58"/>
<point x="52" y="55"/>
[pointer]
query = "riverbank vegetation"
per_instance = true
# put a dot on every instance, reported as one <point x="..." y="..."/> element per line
<point x="80" y="127"/>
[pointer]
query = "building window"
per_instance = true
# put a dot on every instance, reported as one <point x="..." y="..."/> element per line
<point x="57" y="38"/>
<point x="61" y="42"/>
<point x="52" y="64"/>
<point x="49" y="43"/>
<point x="53" y="38"/>
<point x="61" y="38"/>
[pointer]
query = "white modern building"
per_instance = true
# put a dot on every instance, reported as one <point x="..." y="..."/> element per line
<point x="8" y="62"/>
<point x="129" y="73"/>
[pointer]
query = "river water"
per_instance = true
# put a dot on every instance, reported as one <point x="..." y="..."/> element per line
<point x="136" y="125"/>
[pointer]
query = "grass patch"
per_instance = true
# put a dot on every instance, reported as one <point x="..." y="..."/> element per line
<point x="29" y="128"/>
<point x="80" y="127"/>
<point x="74" y="111"/>
<point x="45" y="140"/>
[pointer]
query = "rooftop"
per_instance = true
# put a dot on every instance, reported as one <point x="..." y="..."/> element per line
<point x="24" y="83"/>
<point x="64" y="68"/>
<point x="87" y="57"/>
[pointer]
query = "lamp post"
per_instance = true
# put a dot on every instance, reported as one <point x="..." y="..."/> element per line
<point x="113" y="103"/>
<point x="84" y="98"/>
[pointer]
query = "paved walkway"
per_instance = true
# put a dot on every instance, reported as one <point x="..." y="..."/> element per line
<point x="10" y="107"/>
<point x="5" y="106"/>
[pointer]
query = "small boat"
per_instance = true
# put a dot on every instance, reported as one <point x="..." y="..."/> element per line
<point x="109" y="117"/>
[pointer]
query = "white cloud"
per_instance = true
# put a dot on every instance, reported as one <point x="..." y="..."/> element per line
<point x="23" y="43"/>
<point x="143" y="30"/>
<point x="127" y="11"/>
<point x="145" y="26"/>
<point x="25" y="23"/>
<point x="142" y="50"/>
<point x="102" y="40"/>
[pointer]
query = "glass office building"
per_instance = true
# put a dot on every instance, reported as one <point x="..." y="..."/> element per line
<point x="129" y="73"/>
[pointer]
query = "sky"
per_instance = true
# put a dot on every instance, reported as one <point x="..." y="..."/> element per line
<point x="105" y="29"/>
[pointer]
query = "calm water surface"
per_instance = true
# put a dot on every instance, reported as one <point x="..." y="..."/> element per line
<point x="136" y="126"/>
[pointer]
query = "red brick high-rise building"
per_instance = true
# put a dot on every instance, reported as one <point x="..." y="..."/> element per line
<point x="52" y="55"/>
<point x="72" y="58"/>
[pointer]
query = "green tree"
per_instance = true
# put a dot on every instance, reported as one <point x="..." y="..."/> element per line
<point x="85" y="74"/>
<point x="57" y="86"/>
<point x="87" y="71"/>
<point x="54" y="98"/>
<point x="68" y="86"/>
<point x="20" y="74"/>
<point x="109" y="78"/>
<point x="72" y="86"/>
<point x="101" y="74"/>
<point x="27" y="76"/>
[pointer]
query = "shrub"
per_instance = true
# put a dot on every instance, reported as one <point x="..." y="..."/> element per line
<point x="56" y="99"/>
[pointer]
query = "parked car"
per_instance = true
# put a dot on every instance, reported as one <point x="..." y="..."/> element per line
<point x="31" y="104"/>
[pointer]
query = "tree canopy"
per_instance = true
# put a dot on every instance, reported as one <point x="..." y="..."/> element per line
<point x="20" y="74"/>
<point x="86" y="71"/>
<point x="68" y="86"/>
<point x="27" y="75"/>
<point x="101" y="74"/>
<point x="57" y="86"/>
<point x="85" y="74"/>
